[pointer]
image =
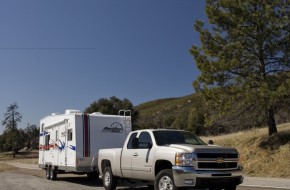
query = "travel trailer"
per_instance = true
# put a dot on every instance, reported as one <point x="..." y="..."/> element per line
<point x="69" y="142"/>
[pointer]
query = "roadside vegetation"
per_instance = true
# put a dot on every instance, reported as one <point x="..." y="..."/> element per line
<point x="5" y="167"/>
<point x="261" y="155"/>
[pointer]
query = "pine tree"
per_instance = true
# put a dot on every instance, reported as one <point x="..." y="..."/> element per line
<point x="244" y="56"/>
<point x="11" y="118"/>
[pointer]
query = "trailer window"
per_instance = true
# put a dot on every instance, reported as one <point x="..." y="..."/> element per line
<point x="42" y="126"/>
<point x="69" y="135"/>
<point x="47" y="138"/>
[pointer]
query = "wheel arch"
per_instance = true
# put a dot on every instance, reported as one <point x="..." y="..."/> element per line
<point x="104" y="164"/>
<point x="161" y="165"/>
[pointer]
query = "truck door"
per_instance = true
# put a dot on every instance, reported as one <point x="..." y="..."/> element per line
<point x="142" y="157"/>
<point x="127" y="155"/>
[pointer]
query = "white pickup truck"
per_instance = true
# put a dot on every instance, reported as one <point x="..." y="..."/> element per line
<point x="170" y="159"/>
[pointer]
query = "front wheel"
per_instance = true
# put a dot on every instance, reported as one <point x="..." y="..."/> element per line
<point x="109" y="180"/>
<point x="164" y="180"/>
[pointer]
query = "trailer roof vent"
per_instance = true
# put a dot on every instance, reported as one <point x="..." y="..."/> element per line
<point x="97" y="113"/>
<point x="71" y="111"/>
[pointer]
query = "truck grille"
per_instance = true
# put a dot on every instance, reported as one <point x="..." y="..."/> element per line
<point x="212" y="165"/>
<point x="217" y="161"/>
<point x="216" y="155"/>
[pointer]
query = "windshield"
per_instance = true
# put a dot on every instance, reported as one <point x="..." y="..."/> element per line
<point x="176" y="137"/>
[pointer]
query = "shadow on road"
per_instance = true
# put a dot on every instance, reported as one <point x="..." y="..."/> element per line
<point x="83" y="180"/>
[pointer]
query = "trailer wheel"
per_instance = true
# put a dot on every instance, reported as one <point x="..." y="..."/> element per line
<point x="47" y="172"/>
<point x="109" y="180"/>
<point x="164" y="180"/>
<point x="53" y="174"/>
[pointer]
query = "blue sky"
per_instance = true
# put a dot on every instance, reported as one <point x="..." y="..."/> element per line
<point x="65" y="54"/>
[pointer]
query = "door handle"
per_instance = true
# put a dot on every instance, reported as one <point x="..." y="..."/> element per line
<point x="135" y="154"/>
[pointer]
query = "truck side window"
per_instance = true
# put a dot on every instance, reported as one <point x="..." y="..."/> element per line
<point x="145" y="141"/>
<point x="129" y="145"/>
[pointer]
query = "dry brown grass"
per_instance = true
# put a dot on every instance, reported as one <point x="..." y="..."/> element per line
<point x="260" y="155"/>
<point x="6" y="158"/>
<point x="5" y="167"/>
<point x="25" y="160"/>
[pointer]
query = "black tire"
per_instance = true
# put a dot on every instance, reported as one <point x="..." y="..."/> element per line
<point x="164" y="180"/>
<point x="109" y="180"/>
<point x="93" y="176"/>
<point x="47" y="172"/>
<point x="231" y="188"/>
<point x="227" y="188"/>
<point x="53" y="174"/>
<point x="150" y="187"/>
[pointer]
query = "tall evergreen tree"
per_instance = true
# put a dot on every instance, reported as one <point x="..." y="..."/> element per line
<point x="11" y="118"/>
<point x="245" y="56"/>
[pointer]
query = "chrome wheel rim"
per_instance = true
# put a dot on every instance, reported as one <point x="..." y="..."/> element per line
<point x="165" y="183"/>
<point x="107" y="179"/>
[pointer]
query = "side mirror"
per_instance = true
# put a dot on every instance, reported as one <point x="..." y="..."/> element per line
<point x="210" y="142"/>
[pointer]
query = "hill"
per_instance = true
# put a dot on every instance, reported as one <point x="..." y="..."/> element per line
<point x="165" y="113"/>
<point x="189" y="112"/>
<point x="261" y="155"/>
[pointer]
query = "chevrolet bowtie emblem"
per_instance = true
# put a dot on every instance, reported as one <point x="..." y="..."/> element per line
<point x="219" y="160"/>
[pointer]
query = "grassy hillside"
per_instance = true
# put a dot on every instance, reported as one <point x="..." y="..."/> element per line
<point x="167" y="105"/>
<point x="261" y="156"/>
<point x="162" y="113"/>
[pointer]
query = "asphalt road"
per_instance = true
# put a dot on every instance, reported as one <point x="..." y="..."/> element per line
<point x="25" y="180"/>
<point x="30" y="177"/>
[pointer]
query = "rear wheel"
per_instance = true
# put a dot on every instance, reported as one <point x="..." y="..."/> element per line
<point x="109" y="180"/>
<point x="47" y="172"/>
<point x="53" y="174"/>
<point x="164" y="181"/>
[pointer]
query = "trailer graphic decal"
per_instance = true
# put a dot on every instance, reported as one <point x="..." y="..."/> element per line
<point x="115" y="127"/>
<point x="61" y="146"/>
<point x="43" y="134"/>
<point x="72" y="147"/>
<point x="86" y="135"/>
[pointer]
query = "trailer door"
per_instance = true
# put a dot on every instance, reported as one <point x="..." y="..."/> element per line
<point x="62" y="145"/>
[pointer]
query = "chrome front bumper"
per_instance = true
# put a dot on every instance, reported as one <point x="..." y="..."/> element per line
<point x="189" y="177"/>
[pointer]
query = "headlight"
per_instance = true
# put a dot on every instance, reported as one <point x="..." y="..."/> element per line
<point x="184" y="159"/>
